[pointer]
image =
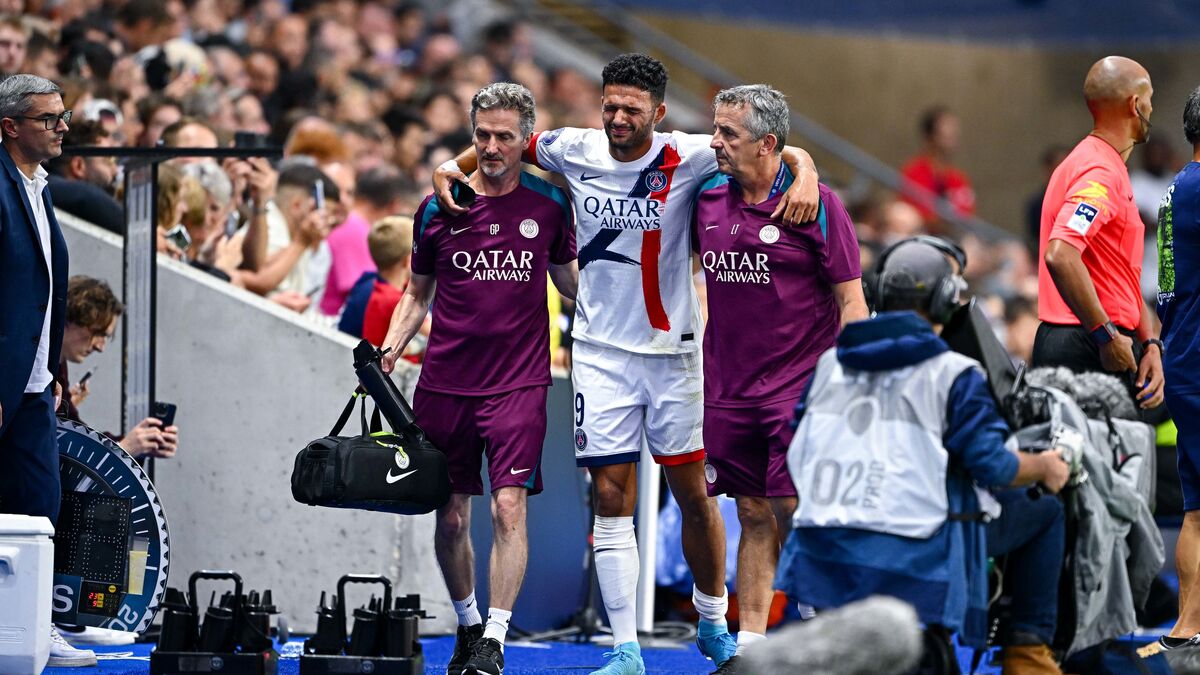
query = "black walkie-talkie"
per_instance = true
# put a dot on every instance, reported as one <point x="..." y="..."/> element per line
<point x="381" y="388"/>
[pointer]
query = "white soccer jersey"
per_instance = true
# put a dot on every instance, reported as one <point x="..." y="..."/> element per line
<point x="632" y="219"/>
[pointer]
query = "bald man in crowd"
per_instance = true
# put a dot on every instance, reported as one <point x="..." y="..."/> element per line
<point x="1091" y="241"/>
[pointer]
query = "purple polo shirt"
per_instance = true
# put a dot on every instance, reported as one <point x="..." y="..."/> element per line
<point x="771" y="308"/>
<point x="491" y="333"/>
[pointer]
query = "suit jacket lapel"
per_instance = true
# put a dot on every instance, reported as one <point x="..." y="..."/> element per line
<point x="14" y="175"/>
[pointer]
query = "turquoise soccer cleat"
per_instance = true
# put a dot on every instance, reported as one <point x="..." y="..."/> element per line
<point x="715" y="641"/>
<point x="624" y="659"/>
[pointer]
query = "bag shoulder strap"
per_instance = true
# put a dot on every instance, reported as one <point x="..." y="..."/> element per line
<point x="376" y="422"/>
<point x="345" y="416"/>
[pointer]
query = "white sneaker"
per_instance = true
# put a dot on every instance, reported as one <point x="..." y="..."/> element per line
<point x="63" y="655"/>
<point x="102" y="637"/>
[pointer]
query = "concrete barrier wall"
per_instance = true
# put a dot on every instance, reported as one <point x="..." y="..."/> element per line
<point x="254" y="383"/>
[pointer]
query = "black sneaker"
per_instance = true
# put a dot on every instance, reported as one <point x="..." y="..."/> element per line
<point x="488" y="658"/>
<point x="464" y="646"/>
<point x="730" y="667"/>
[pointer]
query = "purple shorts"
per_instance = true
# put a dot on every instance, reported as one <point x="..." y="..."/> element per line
<point x="747" y="450"/>
<point x="509" y="428"/>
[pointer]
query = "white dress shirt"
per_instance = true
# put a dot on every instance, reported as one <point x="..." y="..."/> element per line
<point x="41" y="376"/>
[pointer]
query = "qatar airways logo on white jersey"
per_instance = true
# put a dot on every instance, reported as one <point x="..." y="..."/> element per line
<point x="735" y="267"/>
<point x="495" y="265"/>
<point x="625" y="213"/>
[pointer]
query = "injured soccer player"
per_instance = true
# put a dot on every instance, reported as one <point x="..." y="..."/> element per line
<point x="636" y="353"/>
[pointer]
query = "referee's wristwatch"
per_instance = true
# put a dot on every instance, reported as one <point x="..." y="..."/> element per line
<point x="1104" y="333"/>
<point x="1154" y="341"/>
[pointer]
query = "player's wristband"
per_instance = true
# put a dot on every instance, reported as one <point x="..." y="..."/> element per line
<point x="450" y="166"/>
<point x="1104" y="333"/>
<point x="1154" y="341"/>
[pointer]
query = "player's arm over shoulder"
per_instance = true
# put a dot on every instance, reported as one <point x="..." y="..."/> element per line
<point x="696" y="153"/>
<point x="546" y="149"/>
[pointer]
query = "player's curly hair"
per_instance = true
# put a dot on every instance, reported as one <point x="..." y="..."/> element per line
<point x="91" y="303"/>
<point x="638" y="70"/>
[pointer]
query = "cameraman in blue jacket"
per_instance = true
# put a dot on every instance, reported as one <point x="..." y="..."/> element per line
<point x="899" y="440"/>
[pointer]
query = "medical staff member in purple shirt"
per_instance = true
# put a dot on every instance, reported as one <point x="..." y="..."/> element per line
<point x="482" y="389"/>
<point x="777" y="297"/>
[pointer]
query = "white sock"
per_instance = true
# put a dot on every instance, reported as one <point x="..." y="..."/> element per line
<point x="745" y="639"/>
<point x="497" y="625"/>
<point x="709" y="607"/>
<point x="617" y="571"/>
<point x="467" y="610"/>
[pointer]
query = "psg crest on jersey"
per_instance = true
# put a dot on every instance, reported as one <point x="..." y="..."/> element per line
<point x="656" y="180"/>
<point x="111" y="546"/>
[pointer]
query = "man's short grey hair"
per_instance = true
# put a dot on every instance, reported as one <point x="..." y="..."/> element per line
<point x="766" y="110"/>
<point x="202" y="102"/>
<point x="506" y="96"/>
<point x="1191" y="117"/>
<point x="212" y="178"/>
<point x="16" y="90"/>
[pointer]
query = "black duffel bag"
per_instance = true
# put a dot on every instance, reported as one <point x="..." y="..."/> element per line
<point x="397" y="472"/>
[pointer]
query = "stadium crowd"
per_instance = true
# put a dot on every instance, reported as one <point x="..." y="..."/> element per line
<point x="364" y="98"/>
<point x="373" y="95"/>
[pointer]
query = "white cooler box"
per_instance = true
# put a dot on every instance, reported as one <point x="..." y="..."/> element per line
<point x="26" y="574"/>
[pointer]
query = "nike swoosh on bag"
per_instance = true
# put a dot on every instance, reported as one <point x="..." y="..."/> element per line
<point x="517" y="471"/>
<point x="392" y="479"/>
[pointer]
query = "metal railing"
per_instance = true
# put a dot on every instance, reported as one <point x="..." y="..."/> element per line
<point x="139" y="283"/>
<point x="644" y="37"/>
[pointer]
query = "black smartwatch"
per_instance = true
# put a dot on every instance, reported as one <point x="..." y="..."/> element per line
<point x="1154" y="341"/>
<point x="1104" y="333"/>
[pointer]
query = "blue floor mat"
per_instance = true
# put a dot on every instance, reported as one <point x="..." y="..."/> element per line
<point x="521" y="658"/>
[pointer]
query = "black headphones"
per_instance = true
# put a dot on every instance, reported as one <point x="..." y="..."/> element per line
<point x="943" y="299"/>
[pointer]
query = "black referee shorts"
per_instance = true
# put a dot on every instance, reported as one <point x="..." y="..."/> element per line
<point x="1072" y="348"/>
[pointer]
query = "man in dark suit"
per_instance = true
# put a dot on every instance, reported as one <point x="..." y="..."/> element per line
<point x="33" y="298"/>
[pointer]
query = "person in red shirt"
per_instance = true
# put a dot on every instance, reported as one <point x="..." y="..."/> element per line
<point x="390" y="242"/>
<point x="933" y="169"/>
<point x="1091" y="243"/>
